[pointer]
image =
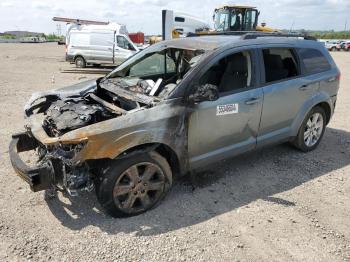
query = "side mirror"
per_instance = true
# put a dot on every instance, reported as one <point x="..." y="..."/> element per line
<point x="205" y="92"/>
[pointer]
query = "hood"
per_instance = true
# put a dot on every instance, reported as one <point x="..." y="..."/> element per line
<point x="76" y="90"/>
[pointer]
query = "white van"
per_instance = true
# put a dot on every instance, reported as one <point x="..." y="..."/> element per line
<point x="98" y="44"/>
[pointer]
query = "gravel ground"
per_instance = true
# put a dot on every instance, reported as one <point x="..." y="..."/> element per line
<point x="276" y="204"/>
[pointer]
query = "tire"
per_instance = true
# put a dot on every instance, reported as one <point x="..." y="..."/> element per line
<point x="333" y="48"/>
<point x="126" y="189"/>
<point x="316" y="130"/>
<point x="80" y="62"/>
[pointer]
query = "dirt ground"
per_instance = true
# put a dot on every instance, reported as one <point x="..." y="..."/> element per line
<point x="277" y="204"/>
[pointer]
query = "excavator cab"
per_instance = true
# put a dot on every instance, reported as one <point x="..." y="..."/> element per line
<point x="235" y="18"/>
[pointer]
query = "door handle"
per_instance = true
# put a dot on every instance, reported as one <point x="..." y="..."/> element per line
<point x="252" y="101"/>
<point x="304" y="87"/>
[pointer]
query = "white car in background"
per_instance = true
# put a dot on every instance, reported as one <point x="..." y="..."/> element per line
<point x="333" y="45"/>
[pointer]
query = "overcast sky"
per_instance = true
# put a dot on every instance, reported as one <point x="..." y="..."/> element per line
<point x="145" y="15"/>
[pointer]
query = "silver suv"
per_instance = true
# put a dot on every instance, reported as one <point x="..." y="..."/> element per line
<point x="176" y="107"/>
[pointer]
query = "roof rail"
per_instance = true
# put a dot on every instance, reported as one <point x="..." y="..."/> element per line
<point x="255" y="34"/>
<point x="206" y="33"/>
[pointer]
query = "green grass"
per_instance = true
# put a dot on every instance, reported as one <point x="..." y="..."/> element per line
<point x="7" y="37"/>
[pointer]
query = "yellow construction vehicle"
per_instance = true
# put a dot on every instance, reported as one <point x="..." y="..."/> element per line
<point x="228" y="18"/>
<point x="238" y="18"/>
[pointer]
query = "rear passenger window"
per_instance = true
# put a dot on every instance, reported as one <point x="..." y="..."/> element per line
<point x="280" y="63"/>
<point x="313" y="60"/>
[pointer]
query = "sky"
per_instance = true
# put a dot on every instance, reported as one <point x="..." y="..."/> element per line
<point x="145" y="15"/>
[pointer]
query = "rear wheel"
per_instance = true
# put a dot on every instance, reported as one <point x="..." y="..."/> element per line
<point x="133" y="185"/>
<point x="80" y="62"/>
<point x="311" y="130"/>
<point x="333" y="48"/>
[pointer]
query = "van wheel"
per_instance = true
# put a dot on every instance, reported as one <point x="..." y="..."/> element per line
<point x="333" y="48"/>
<point x="311" y="130"/>
<point x="133" y="185"/>
<point x="80" y="62"/>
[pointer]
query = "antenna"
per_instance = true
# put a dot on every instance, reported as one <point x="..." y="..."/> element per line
<point x="78" y="21"/>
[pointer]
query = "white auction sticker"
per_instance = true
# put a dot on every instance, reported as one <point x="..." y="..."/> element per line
<point x="226" y="109"/>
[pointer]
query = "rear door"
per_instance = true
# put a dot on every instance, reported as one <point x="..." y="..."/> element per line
<point x="285" y="92"/>
<point x="228" y="126"/>
<point x="79" y="44"/>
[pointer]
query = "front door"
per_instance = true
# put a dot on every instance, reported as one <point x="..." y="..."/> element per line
<point x="123" y="49"/>
<point x="228" y="126"/>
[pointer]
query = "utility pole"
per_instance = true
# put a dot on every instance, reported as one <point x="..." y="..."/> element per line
<point x="346" y="22"/>
<point x="59" y="30"/>
<point x="291" y="27"/>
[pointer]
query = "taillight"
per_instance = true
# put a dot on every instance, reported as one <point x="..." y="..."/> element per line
<point x="338" y="76"/>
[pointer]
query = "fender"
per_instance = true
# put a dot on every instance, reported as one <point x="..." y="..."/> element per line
<point x="115" y="146"/>
<point x="318" y="98"/>
<point x="137" y="138"/>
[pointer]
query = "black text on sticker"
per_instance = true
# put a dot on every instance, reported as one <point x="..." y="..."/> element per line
<point x="226" y="109"/>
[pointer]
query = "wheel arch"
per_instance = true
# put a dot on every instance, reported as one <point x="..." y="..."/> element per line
<point x="78" y="55"/>
<point x="164" y="150"/>
<point x="327" y="109"/>
<point x="321" y="99"/>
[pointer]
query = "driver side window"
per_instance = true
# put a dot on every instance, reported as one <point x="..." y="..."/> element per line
<point x="230" y="73"/>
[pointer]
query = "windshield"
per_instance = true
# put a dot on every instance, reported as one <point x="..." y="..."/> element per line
<point x="155" y="71"/>
<point x="235" y="20"/>
<point x="222" y="20"/>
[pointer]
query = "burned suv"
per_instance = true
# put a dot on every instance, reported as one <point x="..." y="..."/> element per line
<point x="175" y="107"/>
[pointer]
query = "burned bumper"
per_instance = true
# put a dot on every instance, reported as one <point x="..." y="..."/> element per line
<point x="39" y="177"/>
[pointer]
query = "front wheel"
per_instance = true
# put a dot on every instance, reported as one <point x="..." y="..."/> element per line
<point x="133" y="185"/>
<point x="311" y="130"/>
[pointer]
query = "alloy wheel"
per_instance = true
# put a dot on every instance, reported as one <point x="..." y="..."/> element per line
<point x="313" y="129"/>
<point x="139" y="187"/>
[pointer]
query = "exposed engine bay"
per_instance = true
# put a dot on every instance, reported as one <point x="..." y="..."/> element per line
<point x="63" y="116"/>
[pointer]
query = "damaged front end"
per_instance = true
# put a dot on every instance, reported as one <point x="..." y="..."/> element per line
<point x="75" y="128"/>
<point x="55" y="166"/>
<point x="51" y="116"/>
